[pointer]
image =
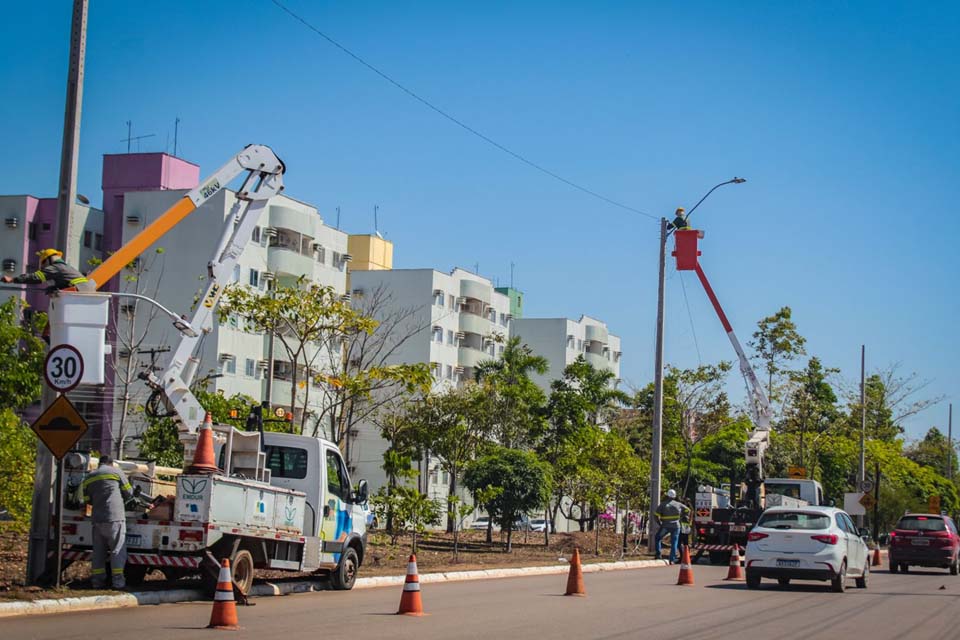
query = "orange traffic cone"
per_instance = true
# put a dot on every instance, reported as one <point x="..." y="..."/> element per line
<point x="410" y="604"/>
<point x="575" y="577"/>
<point x="686" y="568"/>
<point x="735" y="572"/>
<point x="876" y="557"/>
<point x="203" y="460"/>
<point x="224" y="614"/>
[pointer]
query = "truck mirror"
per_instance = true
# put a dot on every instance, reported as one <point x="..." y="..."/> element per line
<point x="363" y="492"/>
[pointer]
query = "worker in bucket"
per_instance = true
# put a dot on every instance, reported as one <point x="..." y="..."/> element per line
<point x="680" y="221"/>
<point x="107" y="488"/>
<point x="668" y="515"/>
<point x="55" y="273"/>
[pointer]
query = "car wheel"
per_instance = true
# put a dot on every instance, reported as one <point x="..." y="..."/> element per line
<point x="894" y="567"/>
<point x="783" y="582"/>
<point x="839" y="583"/>
<point x="753" y="581"/>
<point x="955" y="567"/>
<point x="862" y="580"/>
<point x="905" y="568"/>
<point x="345" y="575"/>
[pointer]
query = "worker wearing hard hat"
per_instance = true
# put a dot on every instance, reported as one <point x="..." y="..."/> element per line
<point x="55" y="273"/>
<point x="680" y="222"/>
<point x="107" y="488"/>
<point x="668" y="515"/>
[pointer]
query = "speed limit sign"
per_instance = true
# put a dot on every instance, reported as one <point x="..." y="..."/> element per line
<point x="63" y="368"/>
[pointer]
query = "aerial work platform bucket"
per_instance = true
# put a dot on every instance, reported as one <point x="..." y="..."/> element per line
<point x="685" y="249"/>
<point x="80" y="320"/>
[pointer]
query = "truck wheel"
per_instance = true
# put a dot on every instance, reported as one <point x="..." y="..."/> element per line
<point x="135" y="574"/>
<point x="894" y="567"/>
<point x="241" y="570"/>
<point x="345" y="575"/>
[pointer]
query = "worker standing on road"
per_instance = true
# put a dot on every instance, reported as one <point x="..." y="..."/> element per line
<point x="108" y="489"/>
<point x="668" y="514"/>
<point x="54" y="272"/>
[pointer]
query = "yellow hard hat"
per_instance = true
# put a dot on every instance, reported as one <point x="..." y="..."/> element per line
<point x="49" y="253"/>
<point x="681" y="211"/>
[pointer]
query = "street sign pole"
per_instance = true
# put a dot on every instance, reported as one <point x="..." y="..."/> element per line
<point x="876" y="503"/>
<point x="58" y="536"/>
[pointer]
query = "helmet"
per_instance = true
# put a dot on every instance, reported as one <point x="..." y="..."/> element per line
<point x="106" y="459"/>
<point x="49" y="253"/>
<point x="681" y="211"/>
<point x="671" y="493"/>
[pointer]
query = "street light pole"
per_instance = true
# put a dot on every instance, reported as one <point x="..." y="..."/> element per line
<point x="862" y="475"/>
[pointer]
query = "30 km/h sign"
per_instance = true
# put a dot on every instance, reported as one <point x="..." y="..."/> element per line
<point x="60" y="427"/>
<point x="63" y="368"/>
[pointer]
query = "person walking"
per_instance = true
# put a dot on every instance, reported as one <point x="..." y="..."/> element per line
<point x="668" y="515"/>
<point x="108" y="489"/>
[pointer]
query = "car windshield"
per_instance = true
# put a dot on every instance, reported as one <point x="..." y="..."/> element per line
<point x="921" y="523"/>
<point x="794" y="520"/>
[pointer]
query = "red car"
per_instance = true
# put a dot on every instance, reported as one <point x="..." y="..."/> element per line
<point x="925" y="540"/>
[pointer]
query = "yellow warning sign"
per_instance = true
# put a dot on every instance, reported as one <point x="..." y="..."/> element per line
<point x="60" y="427"/>
<point x="797" y="472"/>
<point x="867" y="501"/>
<point x="934" y="504"/>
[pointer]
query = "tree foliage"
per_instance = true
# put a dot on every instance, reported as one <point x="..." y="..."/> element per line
<point x="21" y="376"/>
<point x="18" y="448"/>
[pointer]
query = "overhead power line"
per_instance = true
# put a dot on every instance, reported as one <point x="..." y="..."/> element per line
<point x="457" y="121"/>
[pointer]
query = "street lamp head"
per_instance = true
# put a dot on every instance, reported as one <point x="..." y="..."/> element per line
<point x="738" y="180"/>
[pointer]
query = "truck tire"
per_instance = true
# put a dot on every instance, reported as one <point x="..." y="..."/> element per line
<point x="894" y="567"/>
<point x="241" y="570"/>
<point x="345" y="575"/>
<point x="135" y="574"/>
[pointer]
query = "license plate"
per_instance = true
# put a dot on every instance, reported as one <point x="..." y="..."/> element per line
<point x="920" y="542"/>
<point x="133" y="540"/>
<point x="787" y="563"/>
<point x="738" y="528"/>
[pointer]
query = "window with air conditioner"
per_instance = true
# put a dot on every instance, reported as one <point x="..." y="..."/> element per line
<point x="438" y="335"/>
<point x="250" y="368"/>
<point x="254" y="278"/>
<point x="438" y="298"/>
<point x="10" y="265"/>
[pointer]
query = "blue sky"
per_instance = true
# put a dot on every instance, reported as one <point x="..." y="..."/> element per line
<point x="844" y="118"/>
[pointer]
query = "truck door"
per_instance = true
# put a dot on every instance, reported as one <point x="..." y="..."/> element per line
<point x="337" y="514"/>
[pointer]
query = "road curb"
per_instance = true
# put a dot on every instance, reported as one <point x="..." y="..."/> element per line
<point x="267" y="589"/>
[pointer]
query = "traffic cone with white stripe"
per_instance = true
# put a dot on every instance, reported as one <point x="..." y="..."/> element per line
<point x="224" y="614"/>
<point x="735" y="572"/>
<point x="410" y="604"/>
<point x="876" y="557"/>
<point x="686" y="568"/>
<point x="203" y="459"/>
<point x="575" y="577"/>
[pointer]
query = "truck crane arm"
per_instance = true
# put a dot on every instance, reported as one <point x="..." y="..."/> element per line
<point x="264" y="180"/>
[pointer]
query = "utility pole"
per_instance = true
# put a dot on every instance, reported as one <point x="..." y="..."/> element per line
<point x="40" y="518"/>
<point x="863" y="423"/>
<point x="950" y="440"/>
<point x="657" y="393"/>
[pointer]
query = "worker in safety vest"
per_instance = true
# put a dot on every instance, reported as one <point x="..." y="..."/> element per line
<point x="680" y="222"/>
<point x="668" y="515"/>
<point x="55" y="273"/>
<point x="107" y="488"/>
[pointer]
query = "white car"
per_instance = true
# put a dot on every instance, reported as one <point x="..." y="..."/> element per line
<point x="807" y="543"/>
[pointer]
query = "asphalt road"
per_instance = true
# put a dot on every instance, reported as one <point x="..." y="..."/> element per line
<point x="623" y="604"/>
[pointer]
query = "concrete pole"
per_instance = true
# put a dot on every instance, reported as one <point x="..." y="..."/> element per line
<point x="950" y="440"/>
<point x="657" y="392"/>
<point x="863" y="423"/>
<point x="40" y="519"/>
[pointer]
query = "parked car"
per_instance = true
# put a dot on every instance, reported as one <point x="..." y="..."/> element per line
<point x="807" y="543"/>
<point x="539" y="524"/>
<point x="924" y="540"/>
<point x="480" y="523"/>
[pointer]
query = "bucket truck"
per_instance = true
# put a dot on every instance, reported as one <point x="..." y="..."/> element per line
<point x="278" y="501"/>
<point x="723" y="517"/>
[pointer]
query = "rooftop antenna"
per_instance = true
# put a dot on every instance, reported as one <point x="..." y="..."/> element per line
<point x="476" y="268"/>
<point x="130" y="137"/>
<point x="176" y="130"/>
<point x="376" y="225"/>
<point x="511" y="273"/>
<point x="338" y="218"/>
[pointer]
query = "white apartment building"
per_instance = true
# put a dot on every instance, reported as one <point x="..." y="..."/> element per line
<point x="562" y="340"/>
<point x="460" y="321"/>
<point x="290" y="241"/>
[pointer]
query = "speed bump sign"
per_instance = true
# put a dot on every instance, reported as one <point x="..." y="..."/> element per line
<point x="60" y="427"/>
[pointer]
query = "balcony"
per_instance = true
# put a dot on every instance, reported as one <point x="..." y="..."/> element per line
<point x="289" y="261"/>
<point x="598" y="361"/>
<point x="292" y="219"/>
<point x="596" y="333"/>
<point x="476" y="290"/>
<point x="470" y="357"/>
<point x="470" y="323"/>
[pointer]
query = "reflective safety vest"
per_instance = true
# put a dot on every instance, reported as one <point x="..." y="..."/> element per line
<point x="57" y="274"/>
<point x="107" y="488"/>
<point x="669" y="512"/>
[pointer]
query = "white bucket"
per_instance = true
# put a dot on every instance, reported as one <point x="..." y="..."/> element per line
<point x="80" y="320"/>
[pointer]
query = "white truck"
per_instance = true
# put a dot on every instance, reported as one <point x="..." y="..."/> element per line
<point x="279" y="501"/>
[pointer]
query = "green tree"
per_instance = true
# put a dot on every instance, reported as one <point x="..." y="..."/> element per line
<point x="776" y="343"/>
<point x="518" y="402"/>
<point x="21" y="376"/>
<point x="18" y="448"/>
<point x="811" y="411"/>
<point x="891" y="398"/>
<point x="411" y="511"/>
<point x="516" y="482"/>
<point x="934" y="451"/>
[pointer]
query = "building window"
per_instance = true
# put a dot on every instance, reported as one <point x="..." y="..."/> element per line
<point x="32" y="231"/>
<point x="579" y="344"/>
<point x="438" y="298"/>
<point x="254" y="278"/>
<point x="45" y="227"/>
<point x="570" y="342"/>
<point x="453" y="301"/>
<point x="236" y="273"/>
<point x="98" y="242"/>
<point x="321" y="255"/>
<point x="435" y="370"/>
<point x="87" y="239"/>
<point x="492" y="315"/>
<point x="438" y="335"/>
<point x="449" y="372"/>
<point x="446" y="477"/>
<point x="230" y="366"/>
<point x="250" y="368"/>
<point x="501" y="351"/>
<point x="255" y="236"/>
<point x="449" y="336"/>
